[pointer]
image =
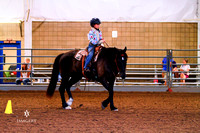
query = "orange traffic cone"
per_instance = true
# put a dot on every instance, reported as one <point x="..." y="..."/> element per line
<point x="8" y="108"/>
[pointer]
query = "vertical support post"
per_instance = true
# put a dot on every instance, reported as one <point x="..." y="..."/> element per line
<point x="31" y="74"/>
<point x="155" y="76"/>
<point x="27" y="26"/>
<point x="169" y="70"/>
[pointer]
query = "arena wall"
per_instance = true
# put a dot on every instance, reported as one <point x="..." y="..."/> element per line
<point x="134" y="35"/>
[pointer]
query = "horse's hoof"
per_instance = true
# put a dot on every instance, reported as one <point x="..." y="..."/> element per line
<point x="102" y="107"/>
<point x="68" y="108"/>
<point x="116" y="110"/>
<point x="69" y="102"/>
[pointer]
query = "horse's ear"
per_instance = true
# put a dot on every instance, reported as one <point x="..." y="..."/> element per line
<point x="125" y="49"/>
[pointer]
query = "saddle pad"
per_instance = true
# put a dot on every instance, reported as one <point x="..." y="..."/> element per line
<point x="80" y="54"/>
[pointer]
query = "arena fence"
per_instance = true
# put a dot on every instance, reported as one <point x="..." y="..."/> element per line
<point x="144" y="67"/>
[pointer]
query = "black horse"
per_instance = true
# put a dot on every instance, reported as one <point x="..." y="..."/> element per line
<point x="110" y="62"/>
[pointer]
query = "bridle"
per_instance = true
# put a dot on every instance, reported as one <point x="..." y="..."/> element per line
<point x="118" y="70"/>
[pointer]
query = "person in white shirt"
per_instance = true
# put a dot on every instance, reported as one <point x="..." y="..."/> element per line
<point x="185" y="70"/>
<point x="24" y="76"/>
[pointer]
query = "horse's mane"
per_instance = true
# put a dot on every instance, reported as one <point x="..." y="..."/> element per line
<point x="109" y="52"/>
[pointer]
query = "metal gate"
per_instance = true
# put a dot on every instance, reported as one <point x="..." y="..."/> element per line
<point x="144" y="68"/>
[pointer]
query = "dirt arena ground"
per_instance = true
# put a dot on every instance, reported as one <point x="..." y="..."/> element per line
<point x="138" y="112"/>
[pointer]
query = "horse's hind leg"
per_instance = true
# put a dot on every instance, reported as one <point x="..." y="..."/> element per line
<point x="62" y="92"/>
<point x="71" y="82"/>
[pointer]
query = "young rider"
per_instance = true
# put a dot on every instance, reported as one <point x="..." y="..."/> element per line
<point x="95" y="38"/>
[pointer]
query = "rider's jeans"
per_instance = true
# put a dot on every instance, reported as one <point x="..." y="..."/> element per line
<point x="90" y="55"/>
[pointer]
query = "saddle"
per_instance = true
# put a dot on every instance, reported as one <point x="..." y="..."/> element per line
<point x="81" y="56"/>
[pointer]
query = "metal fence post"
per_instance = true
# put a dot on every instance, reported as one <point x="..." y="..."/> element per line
<point x="31" y="74"/>
<point x="169" y="69"/>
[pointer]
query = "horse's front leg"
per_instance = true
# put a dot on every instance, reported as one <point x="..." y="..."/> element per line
<point x="109" y="87"/>
<point x="112" y="107"/>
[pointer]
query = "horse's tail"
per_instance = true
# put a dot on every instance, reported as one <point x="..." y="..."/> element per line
<point x="54" y="78"/>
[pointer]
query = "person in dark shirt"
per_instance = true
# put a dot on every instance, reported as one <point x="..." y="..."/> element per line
<point x="164" y="70"/>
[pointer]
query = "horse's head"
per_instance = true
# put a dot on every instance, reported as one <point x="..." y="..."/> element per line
<point x="122" y="61"/>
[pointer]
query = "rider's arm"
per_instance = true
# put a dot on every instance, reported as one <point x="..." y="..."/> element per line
<point x="100" y="36"/>
<point x="101" y="40"/>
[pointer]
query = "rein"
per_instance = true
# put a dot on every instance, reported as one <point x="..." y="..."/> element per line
<point x="106" y="44"/>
